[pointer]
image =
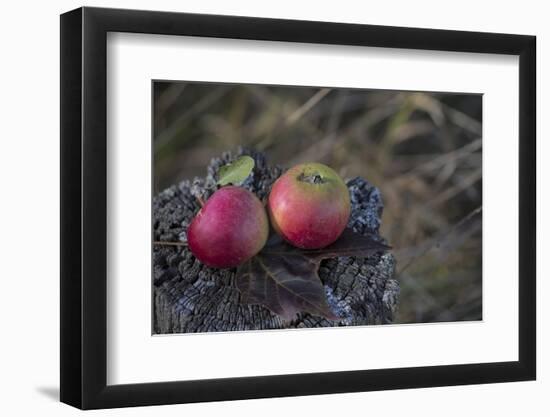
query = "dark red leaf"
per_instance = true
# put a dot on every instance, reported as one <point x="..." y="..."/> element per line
<point x="284" y="278"/>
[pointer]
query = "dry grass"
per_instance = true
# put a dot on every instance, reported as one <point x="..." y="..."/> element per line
<point x="422" y="150"/>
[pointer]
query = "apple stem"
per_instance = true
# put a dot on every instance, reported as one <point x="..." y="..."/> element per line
<point x="169" y="243"/>
<point x="312" y="179"/>
<point x="200" y="200"/>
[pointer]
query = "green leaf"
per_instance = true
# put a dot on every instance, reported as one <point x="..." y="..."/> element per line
<point x="237" y="171"/>
<point x="285" y="278"/>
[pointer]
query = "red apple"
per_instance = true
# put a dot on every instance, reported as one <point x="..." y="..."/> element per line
<point x="231" y="228"/>
<point x="309" y="206"/>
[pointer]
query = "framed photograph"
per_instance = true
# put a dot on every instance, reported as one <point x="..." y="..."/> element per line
<point x="256" y="208"/>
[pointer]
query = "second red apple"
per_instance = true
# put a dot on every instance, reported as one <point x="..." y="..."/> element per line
<point x="309" y="206"/>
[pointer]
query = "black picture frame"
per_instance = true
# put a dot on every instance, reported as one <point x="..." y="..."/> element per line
<point x="84" y="207"/>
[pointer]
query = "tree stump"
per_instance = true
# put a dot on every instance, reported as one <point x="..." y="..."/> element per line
<point x="191" y="297"/>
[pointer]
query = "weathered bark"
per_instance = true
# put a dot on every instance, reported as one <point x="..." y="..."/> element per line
<point x="191" y="297"/>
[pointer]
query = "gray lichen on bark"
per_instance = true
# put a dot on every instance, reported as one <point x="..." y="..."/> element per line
<point x="191" y="297"/>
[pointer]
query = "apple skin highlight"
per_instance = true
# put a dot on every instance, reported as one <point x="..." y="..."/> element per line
<point x="309" y="206"/>
<point x="231" y="228"/>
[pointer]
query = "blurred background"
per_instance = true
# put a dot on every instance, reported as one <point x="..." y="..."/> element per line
<point x="423" y="150"/>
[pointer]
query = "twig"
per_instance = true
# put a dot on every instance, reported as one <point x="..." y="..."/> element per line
<point x="453" y="155"/>
<point x="171" y="131"/>
<point x="307" y="106"/>
<point x="169" y="97"/>
<point x="169" y="243"/>
<point x="457" y="189"/>
<point x="437" y="241"/>
<point x="463" y="120"/>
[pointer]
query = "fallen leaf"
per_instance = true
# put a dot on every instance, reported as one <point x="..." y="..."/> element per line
<point x="285" y="278"/>
<point x="237" y="171"/>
